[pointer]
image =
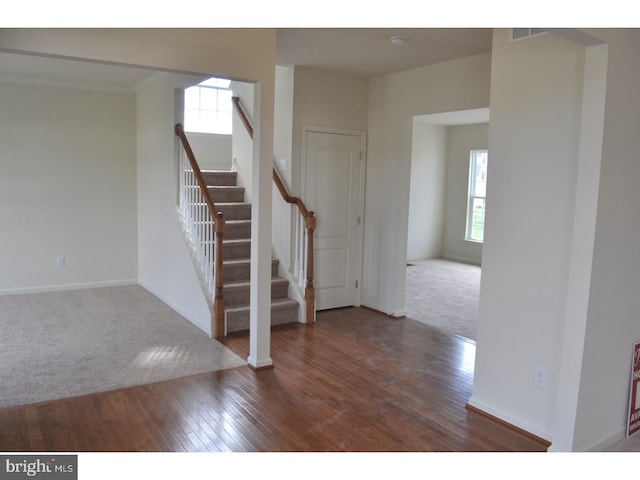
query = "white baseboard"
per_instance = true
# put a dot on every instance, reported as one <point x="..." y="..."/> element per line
<point x="616" y="437"/>
<point x="453" y="258"/>
<point x="399" y="314"/>
<point x="509" y="419"/>
<point x="68" y="286"/>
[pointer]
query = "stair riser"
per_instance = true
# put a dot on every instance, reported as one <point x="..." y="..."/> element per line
<point x="234" y="231"/>
<point x="235" y="211"/>
<point x="227" y="195"/>
<point x="220" y="178"/>
<point x="242" y="272"/>
<point x="239" y="321"/>
<point x="236" y="251"/>
<point x="234" y="296"/>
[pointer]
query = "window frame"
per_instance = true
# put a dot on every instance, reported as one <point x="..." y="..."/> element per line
<point x="212" y="84"/>
<point x="473" y="195"/>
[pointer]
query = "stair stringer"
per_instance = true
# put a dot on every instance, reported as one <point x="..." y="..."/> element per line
<point x="295" y="290"/>
<point x="191" y="248"/>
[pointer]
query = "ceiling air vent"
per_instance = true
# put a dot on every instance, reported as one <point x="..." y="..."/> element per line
<point x="522" y="33"/>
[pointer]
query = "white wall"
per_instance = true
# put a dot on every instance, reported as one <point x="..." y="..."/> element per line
<point x="165" y="266"/>
<point x="536" y="88"/>
<point x="326" y="99"/>
<point x="283" y="212"/>
<point x="614" y="302"/>
<point x="427" y="196"/>
<point x="319" y="98"/>
<point x="461" y="139"/>
<point x="212" y="151"/>
<point x="575" y="310"/>
<point x="67" y="187"/>
<point x="241" y="54"/>
<point x="241" y="142"/>
<point x="393" y="102"/>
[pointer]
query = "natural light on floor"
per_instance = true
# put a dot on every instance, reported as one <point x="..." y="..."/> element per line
<point x="468" y="357"/>
<point x="160" y="355"/>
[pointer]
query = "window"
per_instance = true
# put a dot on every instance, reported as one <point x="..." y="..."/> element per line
<point x="207" y="107"/>
<point x="477" y="193"/>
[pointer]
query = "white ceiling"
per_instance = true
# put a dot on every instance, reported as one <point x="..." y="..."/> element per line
<point x="32" y="69"/>
<point x="364" y="52"/>
<point x="368" y="52"/>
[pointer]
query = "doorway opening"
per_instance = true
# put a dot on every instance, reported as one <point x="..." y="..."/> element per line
<point x="443" y="264"/>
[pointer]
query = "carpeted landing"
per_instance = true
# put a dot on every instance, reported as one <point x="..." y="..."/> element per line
<point x="64" y="344"/>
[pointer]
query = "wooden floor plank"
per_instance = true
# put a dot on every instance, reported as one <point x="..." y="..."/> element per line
<point x="355" y="381"/>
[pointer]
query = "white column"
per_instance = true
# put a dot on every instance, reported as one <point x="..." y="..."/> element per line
<point x="582" y="249"/>
<point x="261" y="206"/>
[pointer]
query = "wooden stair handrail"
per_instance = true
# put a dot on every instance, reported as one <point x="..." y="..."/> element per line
<point x="309" y="219"/>
<point x="243" y="116"/>
<point x="219" y="222"/>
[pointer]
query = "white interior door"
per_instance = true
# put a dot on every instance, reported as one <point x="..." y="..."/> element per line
<point x="334" y="184"/>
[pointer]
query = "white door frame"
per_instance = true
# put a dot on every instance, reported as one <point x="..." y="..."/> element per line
<point x="363" y="170"/>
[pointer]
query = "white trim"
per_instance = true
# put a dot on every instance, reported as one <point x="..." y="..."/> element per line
<point x="362" y="134"/>
<point x="68" y="286"/>
<point x="384" y="311"/>
<point x="267" y="362"/>
<point x="612" y="439"/>
<point x="470" y="261"/>
<point x="294" y="290"/>
<point x="509" y="419"/>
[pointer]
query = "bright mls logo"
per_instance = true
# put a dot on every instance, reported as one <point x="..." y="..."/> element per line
<point x="55" y="467"/>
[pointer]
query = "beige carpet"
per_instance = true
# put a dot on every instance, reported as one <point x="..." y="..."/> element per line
<point x="64" y="344"/>
<point x="444" y="295"/>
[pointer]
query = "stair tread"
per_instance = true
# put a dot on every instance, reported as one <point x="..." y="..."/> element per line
<point x="276" y="303"/>
<point x="238" y="240"/>
<point x="234" y="241"/>
<point x="235" y="261"/>
<point x="243" y="283"/>
<point x="233" y="204"/>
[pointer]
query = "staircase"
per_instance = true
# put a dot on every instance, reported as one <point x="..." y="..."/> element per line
<point x="230" y="202"/>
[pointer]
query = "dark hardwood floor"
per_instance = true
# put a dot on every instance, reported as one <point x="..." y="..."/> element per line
<point x="355" y="381"/>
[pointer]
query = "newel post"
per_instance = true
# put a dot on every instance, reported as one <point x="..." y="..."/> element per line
<point x="309" y="291"/>
<point x="218" y="303"/>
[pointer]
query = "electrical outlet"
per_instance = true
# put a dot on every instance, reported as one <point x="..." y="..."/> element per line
<point x="60" y="262"/>
<point x="541" y="377"/>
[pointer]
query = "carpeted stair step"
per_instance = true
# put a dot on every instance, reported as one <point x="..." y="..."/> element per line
<point x="234" y="249"/>
<point x="229" y="200"/>
<point x="239" y="293"/>
<point x="283" y="311"/>
<point x="226" y="194"/>
<point x="240" y="270"/>
<point x="219" y="177"/>
<point x="234" y="230"/>
<point x="237" y="229"/>
<point x="235" y="210"/>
